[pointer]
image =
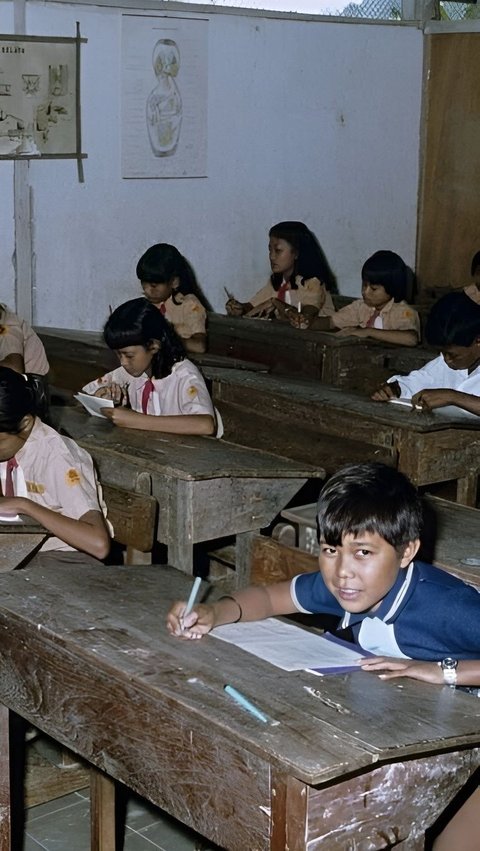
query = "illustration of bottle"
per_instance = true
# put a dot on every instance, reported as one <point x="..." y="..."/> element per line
<point x="164" y="104"/>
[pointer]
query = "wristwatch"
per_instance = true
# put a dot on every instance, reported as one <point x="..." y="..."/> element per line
<point x="449" y="668"/>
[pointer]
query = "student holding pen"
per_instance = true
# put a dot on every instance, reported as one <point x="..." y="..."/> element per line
<point x="300" y="276"/>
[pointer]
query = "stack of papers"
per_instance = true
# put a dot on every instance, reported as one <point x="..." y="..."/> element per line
<point x="93" y="404"/>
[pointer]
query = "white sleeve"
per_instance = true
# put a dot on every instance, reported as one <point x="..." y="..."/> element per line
<point x="430" y="376"/>
<point x="117" y="376"/>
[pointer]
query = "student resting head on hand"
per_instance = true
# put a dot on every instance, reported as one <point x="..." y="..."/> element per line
<point x="452" y="378"/>
<point x="155" y="388"/>
<point x="411" y="615"/>
<point x="301" y="280"/>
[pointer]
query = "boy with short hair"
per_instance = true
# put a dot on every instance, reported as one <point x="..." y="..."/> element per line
<point x="453" y="378"/>
<point x="369" y="519"/>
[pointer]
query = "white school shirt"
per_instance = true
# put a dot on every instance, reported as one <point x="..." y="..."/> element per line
<point x="436" y="374"/>
<point x="56" y="473"/>
<point x="182" y="392"/>
<point x="17" y="338"/>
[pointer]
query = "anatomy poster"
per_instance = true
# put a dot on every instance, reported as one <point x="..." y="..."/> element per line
<point x="164" y="96"/>
<point x="39" y="109"/>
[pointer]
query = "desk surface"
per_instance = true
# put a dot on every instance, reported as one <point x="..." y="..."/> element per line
<point x="190" y="458"/>
<point x="355" y="405"/>
<point x="86" y="658"/>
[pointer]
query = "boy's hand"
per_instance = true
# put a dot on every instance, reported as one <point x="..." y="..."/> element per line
<point x="431" y="399"/>
<point x="428" y="672"/>
<point x="387" y="391"/>
<point x="199" y="622"/>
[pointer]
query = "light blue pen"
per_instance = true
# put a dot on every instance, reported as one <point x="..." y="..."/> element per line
<point x="240" y="698"/>
<point x="191" y="599"/>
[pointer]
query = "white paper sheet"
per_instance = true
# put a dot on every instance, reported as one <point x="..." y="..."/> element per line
<point x="287" y="646"/>
<point x="93" y="404"/>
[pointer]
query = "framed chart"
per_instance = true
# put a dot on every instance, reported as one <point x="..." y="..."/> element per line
<point x="40" y="97"/>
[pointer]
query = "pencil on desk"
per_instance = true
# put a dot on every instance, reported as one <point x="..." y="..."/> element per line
<point x="193" y="596"/>
<point x="299" y="307"/>
<point x="243" y="701"/>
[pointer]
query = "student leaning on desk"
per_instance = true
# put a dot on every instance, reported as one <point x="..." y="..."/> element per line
<point x="155" y="388"/>
<point x="452" y="378"/>
<point x="418" y="620"/>
<point x="382" y="313"/>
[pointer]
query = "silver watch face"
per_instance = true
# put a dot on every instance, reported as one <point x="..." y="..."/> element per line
<point x="449" y="664"/>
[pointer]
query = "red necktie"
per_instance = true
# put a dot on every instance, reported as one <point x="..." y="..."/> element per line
<point x="11" y="465"/>
<point x="282" y="290"/>
<point x="147" y="391"/>
<point x="371" y="320"/>
<point x="163" y="308"/>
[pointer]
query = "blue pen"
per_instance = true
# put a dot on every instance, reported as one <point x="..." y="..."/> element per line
<point x="240" y="698"/>
<point x="191" y="600"/>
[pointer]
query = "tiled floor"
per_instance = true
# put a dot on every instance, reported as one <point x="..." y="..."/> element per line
<point x="64" y="825"/>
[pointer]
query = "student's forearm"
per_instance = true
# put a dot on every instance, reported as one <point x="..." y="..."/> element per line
<point x="255" y="603"/>
<point x="399" y="338"/>
<point x="179" y="424"/>
<point x="88" y="534"/>
<point x="466" y="401"/>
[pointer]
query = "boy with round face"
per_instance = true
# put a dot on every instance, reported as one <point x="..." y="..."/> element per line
<point x="409" y="614"/>
<point x="453" y="378"/>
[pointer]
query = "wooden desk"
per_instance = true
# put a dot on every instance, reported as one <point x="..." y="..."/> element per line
<point x="347" y="362"/>
<point x="205" y="488"/>
<point x="86" y="658"/>
<point x="16" y="546"/>
<point x="310" y="421"/>
<point x="77" y="357"/>
<point x="451" y="535"/>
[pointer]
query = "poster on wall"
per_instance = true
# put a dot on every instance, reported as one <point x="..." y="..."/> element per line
<point x="164" y="96"/>
<point x="39" y="97"/>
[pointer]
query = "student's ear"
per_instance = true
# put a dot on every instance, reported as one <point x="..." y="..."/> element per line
<point x="174" y="282"/>
<point x="154" y="346"/>
<point x="410" y="552"/>
<point x="26" y="423"/>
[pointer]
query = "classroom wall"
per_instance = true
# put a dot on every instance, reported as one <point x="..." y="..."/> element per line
<point x="310" y="120"/>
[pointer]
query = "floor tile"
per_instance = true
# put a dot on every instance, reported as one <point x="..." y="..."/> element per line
<point x="68" y="827"/>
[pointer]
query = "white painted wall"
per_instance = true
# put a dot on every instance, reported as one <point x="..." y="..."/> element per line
<point x="7" y="230"/>
<point x="308" y="120"/>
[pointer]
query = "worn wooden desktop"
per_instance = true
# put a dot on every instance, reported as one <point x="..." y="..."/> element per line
<point x="352" y="760"/>
<point x="325" y="425"/>
<point x="348" y="362"/>
<point x="205" y="488"/>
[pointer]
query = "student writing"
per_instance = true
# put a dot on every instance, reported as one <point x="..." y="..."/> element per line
<point x="49" y="478"/>
<point x="168" y="283"/>
<point x="382" y="313"/>
<point x="156" y="387"/>
<point x="452" y="378"/>
<point x="369" y="519"/>
<point x="300" y="276"/>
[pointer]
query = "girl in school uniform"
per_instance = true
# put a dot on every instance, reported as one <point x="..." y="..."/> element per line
<point x="169" y="284"/>
<point x="155" y="388"/>
<point x="301" y="280"/>
<point x="49" y="478"/>
<point x="20" y="348"/>
<point x="382" y="313"/>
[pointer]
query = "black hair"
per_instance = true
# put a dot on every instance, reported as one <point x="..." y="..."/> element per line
<point x="387" y="269"/>
<point x="138" y="323"/>
<point x="162" y="262"/>
<point x="475" y="263"/>
<point x="16" y="400"/>
<point x="311" y="261"/>
<point x="454" y="320"/>
<point x="369" y="497"/>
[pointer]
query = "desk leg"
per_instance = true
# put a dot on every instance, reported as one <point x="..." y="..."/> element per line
<point x="467" y="490"/>
<point x="102" y="812"/>
<point x="243" y="557"/>
<point x="289" y="813"/>
<point x="5" y="812"/>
